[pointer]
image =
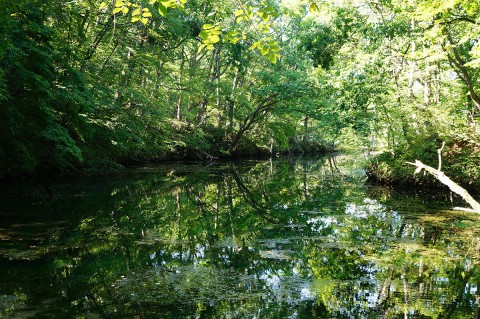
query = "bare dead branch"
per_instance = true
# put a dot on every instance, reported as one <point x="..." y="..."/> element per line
<point x="444" y="179"/>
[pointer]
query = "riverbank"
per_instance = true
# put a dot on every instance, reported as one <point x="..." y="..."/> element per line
<point x="460" y="159"/>
<point x="102" y="162"/>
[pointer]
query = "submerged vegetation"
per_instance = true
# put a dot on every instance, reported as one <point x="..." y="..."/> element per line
<point x="92" y="85"/>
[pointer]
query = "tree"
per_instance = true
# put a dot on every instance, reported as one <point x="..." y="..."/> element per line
<point x="40" y="106"/>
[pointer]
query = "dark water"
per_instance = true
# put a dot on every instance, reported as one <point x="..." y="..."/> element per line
<point x="288" y="238"/>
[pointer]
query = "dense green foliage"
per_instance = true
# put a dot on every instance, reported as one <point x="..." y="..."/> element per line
<point x="93" y="84"/>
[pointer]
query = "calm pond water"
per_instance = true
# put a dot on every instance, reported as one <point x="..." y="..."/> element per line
<point x="284" y="238"/>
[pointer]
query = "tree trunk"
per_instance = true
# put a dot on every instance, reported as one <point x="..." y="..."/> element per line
<point x="458" y="65"/>
<point x="411" y="64"/>
<point x="427" y="86"/>
<point x="231" y="104"/>
<point x="436" y="84"/>
<point x="444" y="179"/>
<point x="305" y="125"/>
<point x="178" y="108"/>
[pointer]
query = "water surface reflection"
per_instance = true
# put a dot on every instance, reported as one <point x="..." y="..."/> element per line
<point x="286" y="238"/>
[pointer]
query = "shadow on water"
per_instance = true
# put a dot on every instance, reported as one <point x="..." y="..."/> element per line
<point x="283" y="238"/>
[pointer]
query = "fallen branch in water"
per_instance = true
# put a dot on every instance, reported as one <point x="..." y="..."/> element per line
<point x="444" y="179"/>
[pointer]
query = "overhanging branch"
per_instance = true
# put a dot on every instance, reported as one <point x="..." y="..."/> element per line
<point x="444" y="179"/>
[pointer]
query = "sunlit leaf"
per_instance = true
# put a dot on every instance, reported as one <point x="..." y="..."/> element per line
<point x="201" y="47"/>
<point x="214" y="38"/>
<point x="162" y="10"/>
<point x="203" y="34"/>
<point x="168" y="4"/>
<point x="272" y="58"/>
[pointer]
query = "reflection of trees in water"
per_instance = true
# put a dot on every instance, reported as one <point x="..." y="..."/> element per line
<point x="415" y="267"/>
<point x="270" y="238"/>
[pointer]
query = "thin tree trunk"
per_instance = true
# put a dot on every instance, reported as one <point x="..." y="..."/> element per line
<point x="411" y="64"/>
<point x="305" y="124"/>
<point x="231" y="104"/>
<point x="436" y="84"/>
<point x="458" y="65"/>
<point x="427" y="86"/>
<point x="178" y="107"/>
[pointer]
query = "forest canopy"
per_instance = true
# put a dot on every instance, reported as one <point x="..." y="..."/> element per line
<point x="90" y="85"/>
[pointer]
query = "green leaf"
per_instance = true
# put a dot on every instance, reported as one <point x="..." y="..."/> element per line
<point x="135" y="18"/>
<point x="168" y="4"/>
<point x="203" y="34"/>
<point x="136" y="12"/>
<point x="146" y="15"/>
<point x="214" y="38"/>
<point x="103" y="5"/>
<point x="125" y="10"/>
<point x="144" y="21"/>
<point x="162" y="10"/>
<point x="313" y="7"/>
<point x="117" y="10"/>
<point x="239" y="12"/>
<point x="273" y="57"/>
<point x="119" y="4"/>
